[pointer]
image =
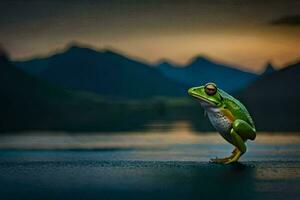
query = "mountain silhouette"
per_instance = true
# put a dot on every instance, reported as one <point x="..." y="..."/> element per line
<point x="103" y="72"/>
<point x="269" y="69"/>
<point x="23" y="99"/>
<point x="28" y="103"/>
<point x="202" y="70"/>
<point x="18" y="86"/>
<point x="274" y="100"/>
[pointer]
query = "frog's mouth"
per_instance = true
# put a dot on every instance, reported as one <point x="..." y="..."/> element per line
<point x="203" y="101"/>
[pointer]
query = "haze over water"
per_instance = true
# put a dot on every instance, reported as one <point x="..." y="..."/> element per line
<point x="175" y="142"/>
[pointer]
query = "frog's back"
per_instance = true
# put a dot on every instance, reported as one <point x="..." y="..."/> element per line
<point x="236" y="108"/>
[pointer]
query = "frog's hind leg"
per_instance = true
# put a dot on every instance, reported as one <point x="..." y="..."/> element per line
<point x="240" y="145"/>
<point x="244" y="129"/>
<point x="240" y="132"/>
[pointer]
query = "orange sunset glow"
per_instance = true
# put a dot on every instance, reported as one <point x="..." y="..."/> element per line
<point x="243" y="34"/>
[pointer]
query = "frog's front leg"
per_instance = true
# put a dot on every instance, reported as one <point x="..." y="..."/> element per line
<point x="240" y="132"/>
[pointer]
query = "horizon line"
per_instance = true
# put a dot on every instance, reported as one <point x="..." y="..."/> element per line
<point x="142" y="60"/>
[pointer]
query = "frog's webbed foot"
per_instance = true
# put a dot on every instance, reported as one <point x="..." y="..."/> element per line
<point x="235" y="158"/>
<point x="219" y="160"/>
<point x="225" y="160"/>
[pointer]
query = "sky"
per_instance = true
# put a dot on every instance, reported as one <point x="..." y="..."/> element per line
<point x="246" y="34"/>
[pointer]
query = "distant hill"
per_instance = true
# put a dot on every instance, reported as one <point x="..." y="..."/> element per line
<point x="103" y="72"/>
<point x="15" y="85"/>
<point x="23" y="99"/>
<point x="274" y="100"/>
<point x="202" y="70"/>
<point x="28" y="103"/>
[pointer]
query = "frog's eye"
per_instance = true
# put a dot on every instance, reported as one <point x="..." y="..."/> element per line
<point x="210" y="89"/>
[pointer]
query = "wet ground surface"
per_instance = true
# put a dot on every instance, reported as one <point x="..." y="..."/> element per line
<point x="146" y="167"/>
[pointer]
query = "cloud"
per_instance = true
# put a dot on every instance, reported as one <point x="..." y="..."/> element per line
<point x="291" y="20"/>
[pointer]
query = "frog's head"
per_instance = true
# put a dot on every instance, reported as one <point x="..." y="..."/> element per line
<point x="208" y="95"/>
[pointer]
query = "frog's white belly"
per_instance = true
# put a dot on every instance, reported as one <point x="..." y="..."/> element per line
<point x="221" y="123"/>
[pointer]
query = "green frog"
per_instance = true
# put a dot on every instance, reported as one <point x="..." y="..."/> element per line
<point x="229" y="117"/>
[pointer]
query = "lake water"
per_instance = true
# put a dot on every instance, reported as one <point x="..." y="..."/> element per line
<point x="151" y="165"/>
